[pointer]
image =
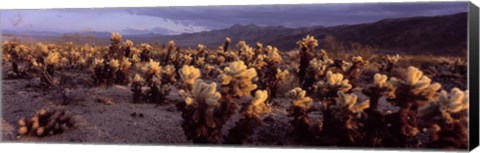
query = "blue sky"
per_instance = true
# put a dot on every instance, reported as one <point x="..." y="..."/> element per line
<point x="176" y="20"/>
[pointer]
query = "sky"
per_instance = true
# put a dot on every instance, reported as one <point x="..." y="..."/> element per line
<point x="177" y="20"/>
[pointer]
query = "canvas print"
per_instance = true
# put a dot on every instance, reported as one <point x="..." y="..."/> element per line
<point x="376" y="75"/>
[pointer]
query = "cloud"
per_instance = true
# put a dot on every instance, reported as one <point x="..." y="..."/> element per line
<point x="299" y="15"/>
<point x="176" y="20"/>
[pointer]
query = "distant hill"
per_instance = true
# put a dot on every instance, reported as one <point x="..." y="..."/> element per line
<point x="445" y="35"/>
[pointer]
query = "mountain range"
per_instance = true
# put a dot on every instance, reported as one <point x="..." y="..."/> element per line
<point x="446" y="35"/>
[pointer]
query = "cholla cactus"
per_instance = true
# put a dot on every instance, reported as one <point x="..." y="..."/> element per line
<point x="43" y="49"/>
<point x="53" y="58"/>
<point x="189" y="74"/>
<point x="146" y="50"/>
<point x="250" y="119"/>
<point x="116" y="37"/>
<point x="202" y="93"/>
<point x="273" y="56"/>
<point x="238" y="78"/>
<point x="418" y="85"/>
<point x="309" y="42"/>
<point x="358" y="64"/>
<point x="199" y="121"/>
<point x="299" y="111"/>
<point x="128" y="48"/>
<point x="128" y="43"/>
<point x="51" y="61"/>
<point x="200" y="61"/>
<point x="220" y="59"/>
<point x="300" y="99"/>
<point x="281" y="75"/>
<point x="125" y="66"/>
<point x="45" y="123"/>
<point x="454" y="102"/>
<point x="259" y="50"/>
<point x="260" y="62"/>
<point x="115" y="46"/>
<point x="231" y="56"/>
<point x="393" y="59"/>
<point x="380" y="87"/>
<point x="136" y="87"/>
<point x="409" y="95"/>
<point x="447" y="116"/>
<point x="168" y="74"/>
<point x="136" y="58"/>
<point x="307" y="47"/>
<point x="201" y="47"/>
<point x="347" y="104"/>
<point x="114" y="64"/>
<point x="122" y="71"/>
<point x="227" y="42"/>
<point x="334" y="82"/>
<point x="346" y="121"/>
<point x="242" y="45"/>
<point x="187" y="59"/>
<point x="152" y="68"/>
<point x="246" y="52"/>
<point x="389" y="62"/>
<point x="447" y="106"/>
<point x="257" y="105"/>
<point x="318" y="68"/>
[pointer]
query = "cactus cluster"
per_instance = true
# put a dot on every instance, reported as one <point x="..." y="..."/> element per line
<point x="45" y="123"/>
<point x="337" y="101"/>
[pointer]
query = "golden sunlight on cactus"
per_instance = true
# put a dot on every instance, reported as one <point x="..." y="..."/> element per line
<point x="126" y="64"/>
<point x="53" y="58"/>
<point x="380" y="80"/>
<point x="228" y="40"/>
<point x="114" y="64"/>
<point x="116" y="37"/>
<point x="299" y="98"/>
<point x="349" y="102"/>
<point x="138" y="79"/>
<point x="281" y="75"/>
<point x="152" y="68"/>
<point x="273" y="56"/>
<point x="42" y="48"/>
<point x="129" y="43"/>
<point x="145" y="46"/>
<point x="418" y="83"/>
<point x="202" y="93"/>
<point x="201" y="47"/>
<point x="257" y="105"/>
<point x="308" y="42"/>
<point x="455" y="101"/>
<point x="239" y="77"/>
<point x="189" y="74"/>
<point x="393" y="59"/>
<point x="97" y="62"/>
<point x="334" y="82"/>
